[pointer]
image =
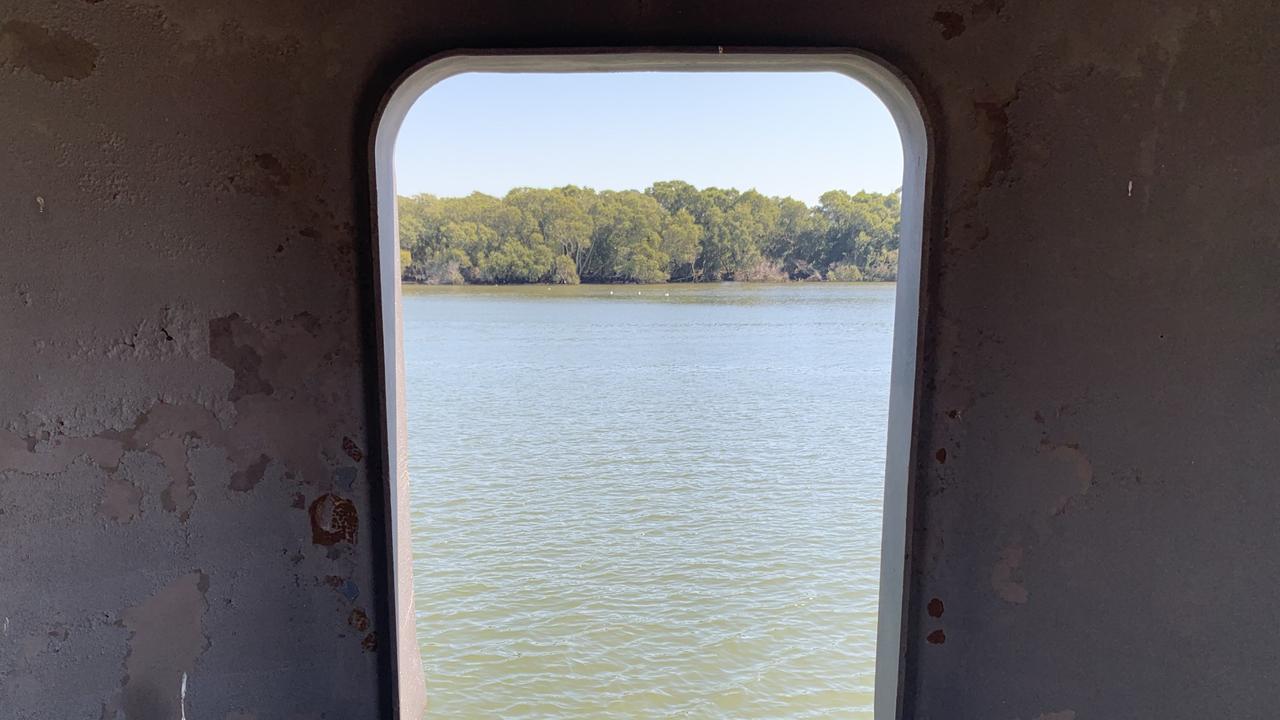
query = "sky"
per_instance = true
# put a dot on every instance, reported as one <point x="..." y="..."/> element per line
<point x="788" y="134"/>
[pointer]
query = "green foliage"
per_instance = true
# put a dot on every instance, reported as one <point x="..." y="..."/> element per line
<point x="845" y="272"/>
<point x="670" y="232"/>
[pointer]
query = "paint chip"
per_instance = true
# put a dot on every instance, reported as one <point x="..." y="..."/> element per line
<point x="344" y="477"/>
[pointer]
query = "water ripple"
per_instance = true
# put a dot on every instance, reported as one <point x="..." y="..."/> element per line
<point x="648" y="508"/>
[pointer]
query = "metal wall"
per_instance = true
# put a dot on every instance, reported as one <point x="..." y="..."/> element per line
<point x="189" y="473"/>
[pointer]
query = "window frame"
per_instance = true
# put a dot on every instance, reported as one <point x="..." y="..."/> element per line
<point x="904" y="105"/>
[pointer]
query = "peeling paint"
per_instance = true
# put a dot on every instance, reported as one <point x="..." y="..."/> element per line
<point x="121" y="500"/>
<point x="986" y="9"/>
<point x="180" y="496"/>
<point x="262" y="175"/>
<point x="120" y="117"/>
<point x="52" y="54"/>
<point x="37" y="456"/>
<point x="169" y="432"/>
<point x="1080" y="478"/>
<point x="243" y="359"/>
<point x="166" y="638"/>
<point x="246" y="479"/>
<point x="1008" y="587"/>
<point x="993" y="120"/>
<point x="952" y="23"/>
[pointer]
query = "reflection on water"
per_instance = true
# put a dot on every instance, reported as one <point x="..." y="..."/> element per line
<point x="648" y="501"/>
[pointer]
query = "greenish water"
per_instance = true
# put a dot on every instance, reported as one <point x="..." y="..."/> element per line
<point x="648" y="501"/>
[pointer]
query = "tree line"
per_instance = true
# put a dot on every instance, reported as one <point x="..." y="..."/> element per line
<point x="670" y="232"/>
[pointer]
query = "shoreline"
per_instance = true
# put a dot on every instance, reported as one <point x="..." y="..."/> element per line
<point x="669" y="283"/>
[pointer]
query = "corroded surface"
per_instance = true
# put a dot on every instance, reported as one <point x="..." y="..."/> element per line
<point x="184" y="470"/>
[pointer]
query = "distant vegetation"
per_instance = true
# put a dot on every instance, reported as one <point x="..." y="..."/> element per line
<point x="671" y="232"/>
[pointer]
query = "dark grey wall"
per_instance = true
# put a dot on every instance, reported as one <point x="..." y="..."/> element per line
<point x="186" y="482"/>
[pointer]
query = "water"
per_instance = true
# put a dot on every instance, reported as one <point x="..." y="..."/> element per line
<point x="648" y="501"/>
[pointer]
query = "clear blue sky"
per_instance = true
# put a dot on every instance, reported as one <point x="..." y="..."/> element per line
<point x="796" y="134"/>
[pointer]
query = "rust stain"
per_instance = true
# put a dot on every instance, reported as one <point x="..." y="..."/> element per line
<point x="941" y="456"/>
<point x="359" y="620"/>
<point x="333" y="520"/>
<point x="937" y="637"/>
<point x="352" y="450"/>
<point x="370" y="642"/>
<point x="936" y="608"/>
<point x="52" y="54"/>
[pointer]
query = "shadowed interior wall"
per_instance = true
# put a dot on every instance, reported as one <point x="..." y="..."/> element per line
<point x="188" y="465"/>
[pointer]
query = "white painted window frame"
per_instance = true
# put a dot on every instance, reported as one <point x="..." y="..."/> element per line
<point x="897" y="95"/>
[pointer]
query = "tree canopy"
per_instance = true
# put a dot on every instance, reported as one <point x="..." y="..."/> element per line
<point x="670" y="232"/>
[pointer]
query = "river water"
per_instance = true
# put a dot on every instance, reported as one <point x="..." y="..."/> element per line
<point x="647" y="501"/>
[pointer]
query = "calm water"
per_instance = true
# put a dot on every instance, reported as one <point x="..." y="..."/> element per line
<point x="661" y="502"/>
